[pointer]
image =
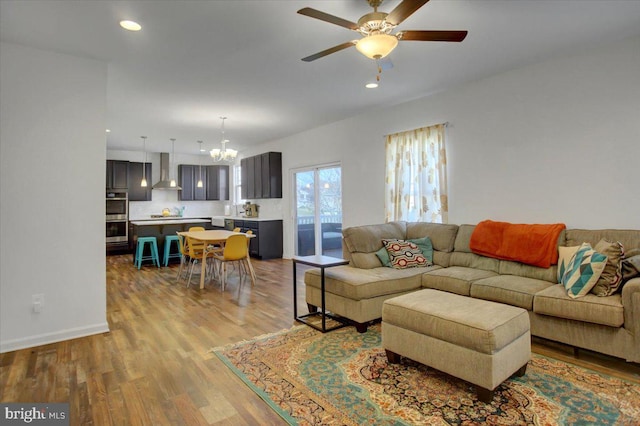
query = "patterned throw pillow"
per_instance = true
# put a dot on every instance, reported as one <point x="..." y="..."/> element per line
<point x="404" y="254"/>
<point x="583" y="271"/>
<point x="564" y="257"/>
<point x="611" y="277"/>
<point x="424" y="244"/>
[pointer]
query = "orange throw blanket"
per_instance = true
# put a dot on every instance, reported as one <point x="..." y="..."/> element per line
<point x="535" y="245"/>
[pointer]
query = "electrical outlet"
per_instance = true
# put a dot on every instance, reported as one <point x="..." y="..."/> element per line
<point x="38" y="302"/>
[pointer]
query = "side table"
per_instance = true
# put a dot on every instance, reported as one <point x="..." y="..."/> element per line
<point x="321" y="262"/>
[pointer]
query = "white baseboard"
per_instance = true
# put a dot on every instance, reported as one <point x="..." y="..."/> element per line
<point x="58" y="336"/>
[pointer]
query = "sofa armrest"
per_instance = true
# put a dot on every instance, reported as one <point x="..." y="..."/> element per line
<point x="631" y="304"/>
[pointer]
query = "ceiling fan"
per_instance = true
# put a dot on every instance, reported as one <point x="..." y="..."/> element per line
<point x="377" y="28"/>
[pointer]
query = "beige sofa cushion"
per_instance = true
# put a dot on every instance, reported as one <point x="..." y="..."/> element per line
<point x="629" y="238"/>
<point x="363" y="242"/>
<point x="472" y="260"/>
<point x="357" y="284"/>
<point x="508" y="267"/>
<point x="554" y="301"/>
<point x="463" y="237"/>
<point x="442" y="235"/>
<point x="442" y="258"/>
<point x="510" y="289"/>
<point x="462" y="255"/>
<point x="474" y="324"/>
<point x="454" y="279"/>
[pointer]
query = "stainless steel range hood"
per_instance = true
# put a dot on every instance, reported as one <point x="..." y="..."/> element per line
<point x="165" y="182"/>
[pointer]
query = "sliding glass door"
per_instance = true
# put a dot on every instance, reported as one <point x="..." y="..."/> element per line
<point x="318" y="210"/>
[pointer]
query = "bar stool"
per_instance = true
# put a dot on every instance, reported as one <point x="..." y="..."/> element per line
<point x="153" y="245"/>
<point x="168" y="240"/>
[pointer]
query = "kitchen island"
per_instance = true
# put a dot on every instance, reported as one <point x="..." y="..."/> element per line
<point x="161" y="227"/>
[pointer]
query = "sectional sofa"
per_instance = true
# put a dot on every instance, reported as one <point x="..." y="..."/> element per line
<point x="609" y="325"/>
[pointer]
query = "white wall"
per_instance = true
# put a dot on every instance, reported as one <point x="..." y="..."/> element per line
<point x="557" y="141"/>
<point x="52" y="237"/>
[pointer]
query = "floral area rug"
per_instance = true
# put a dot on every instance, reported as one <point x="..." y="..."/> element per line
<point x="343" y="378"/>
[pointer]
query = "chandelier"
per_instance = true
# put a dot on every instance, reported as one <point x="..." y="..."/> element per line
<point x="223" y="154"/>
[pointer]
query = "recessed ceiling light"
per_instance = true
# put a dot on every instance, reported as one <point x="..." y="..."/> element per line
<point x="130" y="25"/>
<point x="371" y="85"/>
<point x="108" y="131"/>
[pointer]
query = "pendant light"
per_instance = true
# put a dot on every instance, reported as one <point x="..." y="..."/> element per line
<point x="172" y="184"/>
<point x="200" y="185"/>
<point x="143" y="183"/>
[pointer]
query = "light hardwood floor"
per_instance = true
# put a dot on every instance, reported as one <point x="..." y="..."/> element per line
<point x="155" y="366"/>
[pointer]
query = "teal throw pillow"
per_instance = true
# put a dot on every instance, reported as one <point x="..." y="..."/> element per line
<point x="425" y="247"/>
<point x="383" y="255"/>
<point x="583" y="271"/>
<point x="565" y="254"/>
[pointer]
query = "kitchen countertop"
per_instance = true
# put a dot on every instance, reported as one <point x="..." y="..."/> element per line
<point x="247" y="218"/>
<point x="168" y="221"/>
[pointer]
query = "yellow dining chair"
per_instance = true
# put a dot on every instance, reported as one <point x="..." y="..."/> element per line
<point x="195" y="249"/>
<point x="235" y="250"/>
<point x="236" y="229"/>
<point x="197" y="229"/>
<point x="184" y="258"/>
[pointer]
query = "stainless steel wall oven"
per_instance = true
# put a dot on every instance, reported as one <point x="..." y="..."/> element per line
<point x="117" y="218"/>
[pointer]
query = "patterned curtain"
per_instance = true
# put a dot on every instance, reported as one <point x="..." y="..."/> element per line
<point x="416" y="183"/>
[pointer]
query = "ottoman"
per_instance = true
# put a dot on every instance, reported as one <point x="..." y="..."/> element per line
<point x="476" y="340"/>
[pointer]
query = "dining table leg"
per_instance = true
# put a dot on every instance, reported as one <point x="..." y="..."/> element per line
<point x="203" y="272"/>
<point x="252" y="272"/>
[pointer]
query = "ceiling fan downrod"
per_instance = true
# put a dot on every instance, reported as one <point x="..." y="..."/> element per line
<point x="374" y="4"/>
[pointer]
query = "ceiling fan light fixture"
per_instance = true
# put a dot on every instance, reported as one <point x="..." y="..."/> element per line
<point x="377" y="46"/>
<point x="130" y="25"/>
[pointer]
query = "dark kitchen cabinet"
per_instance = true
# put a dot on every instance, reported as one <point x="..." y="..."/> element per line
<point x="257" y="177"/>
<point x="215" y="182"/>
<point x="117" y="174"/>
<point x="248" y="171"/>
<point x="271" y="175"/>
<point x="137" y="192"/>
<point x="244" y="178"/>
<point x="188" y="176"/>
<point x="267" y="243"/>
<point x="200" y="175"/>
<point x="261" y="176"/>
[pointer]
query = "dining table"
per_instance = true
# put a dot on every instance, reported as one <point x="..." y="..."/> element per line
<point x="215" y="237"/>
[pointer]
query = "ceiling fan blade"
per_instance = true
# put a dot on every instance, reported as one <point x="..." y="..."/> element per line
<point x="404" y="10"/>
<point x="329" y="51"/>
<point x="313" y="13"/>
<point x="432" y="35"/>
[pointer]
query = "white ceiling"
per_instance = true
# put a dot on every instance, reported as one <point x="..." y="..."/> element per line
<point x="195" y="61"/>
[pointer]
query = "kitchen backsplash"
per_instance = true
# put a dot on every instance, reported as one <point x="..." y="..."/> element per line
<point x="169" y="200"/>
<point x="269" y="208"/>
